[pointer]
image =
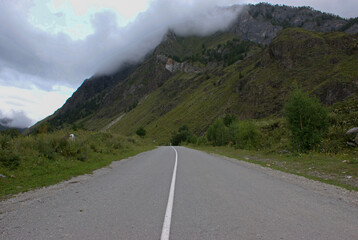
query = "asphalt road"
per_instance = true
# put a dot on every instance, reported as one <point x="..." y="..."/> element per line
<point x="214" y="198"/>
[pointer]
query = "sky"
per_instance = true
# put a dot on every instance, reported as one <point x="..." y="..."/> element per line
<point x="49" y="47"/>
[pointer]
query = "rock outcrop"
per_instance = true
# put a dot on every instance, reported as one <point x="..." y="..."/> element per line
<point x="261" y="23"/>
<point x="173" y="66"/>
<point x="353" y="135"/>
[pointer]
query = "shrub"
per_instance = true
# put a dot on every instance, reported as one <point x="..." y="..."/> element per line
<point x="8" y="155"/>
<point x="202" y="140"/>
<point x="5" y="141"/>
<point x="44" y="128"/>
<point x="217" y="133"/>
<point x="228" y="119"/>
<point x="183" y="135"/>
<point x="192" y="139"/>
<point x="46" y="147"/>
<point x="245" y="134"/>
<point x="307" y="120"/>
<point x="141" y="132"/>
<point x="12" y="132"/>
<point x="9" y="159"/>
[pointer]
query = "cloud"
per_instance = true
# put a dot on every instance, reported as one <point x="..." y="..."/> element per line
<point x="36" y="103"/>
<point x="17" y="119"/>
<point x="31" y="56"/>
<point x="126" y="9"/>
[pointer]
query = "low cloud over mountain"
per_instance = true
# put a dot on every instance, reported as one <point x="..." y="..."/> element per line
<point x="31" y="56"/>
<point x="15" y="119"/>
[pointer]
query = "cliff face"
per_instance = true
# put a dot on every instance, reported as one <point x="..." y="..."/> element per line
<point x="261" y="23"/>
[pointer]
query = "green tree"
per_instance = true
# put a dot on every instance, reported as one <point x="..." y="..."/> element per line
<point x="307" y="120"/>
<point x="11" y="132"/>
<point x="141" y="132"/>
<point x="218" y="133"/>
<point x="245" y="134"/>
<point x="183" y="135"/>
<point x="228" y="119"/>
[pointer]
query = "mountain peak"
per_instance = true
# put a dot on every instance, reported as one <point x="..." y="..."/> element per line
<point x="261" y="22"/>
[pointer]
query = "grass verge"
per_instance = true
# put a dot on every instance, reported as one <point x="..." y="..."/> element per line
<point x="38" y="161"/>
<point x="336" y="170"/>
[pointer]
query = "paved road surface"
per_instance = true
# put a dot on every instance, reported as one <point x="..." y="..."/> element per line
<point x="214" y="198"/>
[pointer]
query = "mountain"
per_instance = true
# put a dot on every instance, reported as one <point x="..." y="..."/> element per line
<point x="262" y="22"/>
<point x="4" y="128"/>
<point x="248" y="70"/>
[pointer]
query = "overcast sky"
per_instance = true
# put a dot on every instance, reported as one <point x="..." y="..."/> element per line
<point x="48" y="47"/>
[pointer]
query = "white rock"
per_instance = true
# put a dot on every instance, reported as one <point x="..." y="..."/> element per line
<point x="72" y="137"/>
<point x="352" y="130"/>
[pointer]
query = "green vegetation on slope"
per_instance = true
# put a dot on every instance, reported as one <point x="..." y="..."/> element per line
<point x="256" y="87"/>
<point x="268" y="142"/>
<point x="185" y="47"/>
<point x="322" y="64"/>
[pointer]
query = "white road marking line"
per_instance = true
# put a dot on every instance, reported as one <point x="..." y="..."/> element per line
<point x="168" y="212"/>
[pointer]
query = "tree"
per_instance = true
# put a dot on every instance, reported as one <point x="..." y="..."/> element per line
<point x="307" y="120"/>
<point x="45" y="128"/>
<point x="183" y="135"/>
<point x="141" y="132"/>
<point x="217" y="133"/>
<point x="228" y="119"/>
<point x="244" y="134"/>
<point x="11" y="132"/>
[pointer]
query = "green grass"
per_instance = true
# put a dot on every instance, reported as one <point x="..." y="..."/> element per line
<point x="47" y="159"/>
<point x="326" y="168"/>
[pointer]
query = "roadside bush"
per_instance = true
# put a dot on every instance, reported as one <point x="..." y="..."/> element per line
<point x="192" y="139"/>
<point x="45" y="147"/>
<point x="307" y="120"/>
<point x="5" y="141"/>
<point x="217" y="133"/>
<point x="53" y="145"/>
<point x="245" y="134"/>
<point x="9" y="159"/>
<point x="8" y="155"/>
<point x="202" y="140"/>
<point x="183" y="135"/>
<point x="273" y="135"/>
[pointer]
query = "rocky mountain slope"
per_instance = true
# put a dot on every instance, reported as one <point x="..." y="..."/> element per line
<point x="262" y="22"/>
<point x="248" y="69"/>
